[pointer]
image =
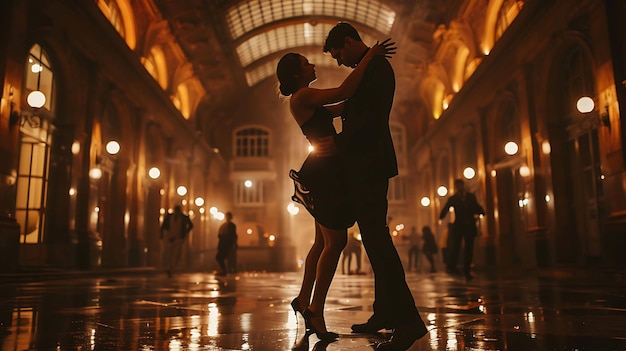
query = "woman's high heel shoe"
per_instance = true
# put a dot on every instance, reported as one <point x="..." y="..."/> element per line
<point x="297" y="307"/>
<point x="309" y="317"/>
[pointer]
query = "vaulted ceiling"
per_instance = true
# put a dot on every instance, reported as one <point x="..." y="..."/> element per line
<point x="235" y="44"/>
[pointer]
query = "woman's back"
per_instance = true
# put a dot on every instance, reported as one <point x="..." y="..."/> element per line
<point x="320" y="124"/>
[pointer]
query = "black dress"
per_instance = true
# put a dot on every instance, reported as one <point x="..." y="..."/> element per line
<point x="320" y="184"/>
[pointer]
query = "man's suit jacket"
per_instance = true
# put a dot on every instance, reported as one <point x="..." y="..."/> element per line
<point x="365" y="139"/>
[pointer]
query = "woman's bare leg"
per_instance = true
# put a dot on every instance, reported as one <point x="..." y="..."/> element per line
<point x="334" y="242"/>
<point x="310" y="268"/>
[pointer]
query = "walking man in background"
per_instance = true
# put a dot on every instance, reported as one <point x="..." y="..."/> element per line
<point x="175" y="228"/>
<point x="466" y="212"/>
<point x="227" y="236"/>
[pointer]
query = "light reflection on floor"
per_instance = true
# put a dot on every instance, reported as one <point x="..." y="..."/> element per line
<point x="251" y="312"/>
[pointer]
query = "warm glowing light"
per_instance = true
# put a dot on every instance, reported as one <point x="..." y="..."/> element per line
<point x="547" y="198"/>
<point x="493" y="173"/>
<point x="72" y="192"/>
<point x="36" y="99"/>
<point x="442" y="191"/>
<point x="247" y="183"/>
<point x="585" y="104"/>
<point x="181" y="190"/>
<point x="249" y="231"/>
<point x="511" y="148"/>
<point x="545" y="147"/>
<point x="154" y="173"/>
<point x="95" y="173"/>
<point x="311" y="148"/>
<point x="469" y="173"/>
<point x="75" y="148"/>
<point x="425" y="201"/>
<point x="524" y="171"/>
<point x="113" y="147"/>
<point x="213" y="210"/>
<point x="272" y="237"/>
<point x="293" y="209"/>
<point x="201" y="210"/>
<point x="36" y="68"/>
<point x="199" y="201"/>
<point x="219" y="216"/>
<point x="399" y="227"/>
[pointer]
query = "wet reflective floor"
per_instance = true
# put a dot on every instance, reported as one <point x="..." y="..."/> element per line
<point x="550" y="310"/>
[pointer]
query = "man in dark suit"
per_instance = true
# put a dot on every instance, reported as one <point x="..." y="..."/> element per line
<point x="466" y="209"/>
<point x="366" y="142"/>
<point x="175" y="228"/>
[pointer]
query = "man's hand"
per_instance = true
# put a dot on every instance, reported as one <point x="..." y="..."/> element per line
<point x="325" y="146"/>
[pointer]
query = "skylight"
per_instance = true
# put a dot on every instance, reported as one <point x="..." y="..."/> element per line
<point x="249" y="15"/>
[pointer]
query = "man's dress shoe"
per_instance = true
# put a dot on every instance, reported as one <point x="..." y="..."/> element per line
<point x="372" y="326"/>
<point x="403" y="337"/>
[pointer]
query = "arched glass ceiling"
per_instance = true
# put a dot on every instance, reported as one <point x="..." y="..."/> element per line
<point x="268" y="68"/>
<point x="251" y="14"/>
<point x="284" y="38"/>
<point x="248" y="15"/>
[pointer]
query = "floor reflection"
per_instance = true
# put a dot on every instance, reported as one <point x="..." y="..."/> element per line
<point x="251" y="312"/>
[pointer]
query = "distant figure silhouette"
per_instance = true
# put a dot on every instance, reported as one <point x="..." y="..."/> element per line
<point x="429" y="248"/>
<point x="227" y="246"/>
<point x="353" y="248"/>
<point x="175" y="228"/>
<point x="466" y="210"/>
<point x="414" y="249"/>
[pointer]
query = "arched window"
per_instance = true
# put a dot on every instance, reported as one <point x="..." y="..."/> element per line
<point x="35" y="140"/>
<point x="156" y="64"/>
<point x="120" y="14"/>
<point x="113" y="14"/>
<point x="508" y="11"/>
<point x="577" y="82"/>
<point x="252" y="142"/>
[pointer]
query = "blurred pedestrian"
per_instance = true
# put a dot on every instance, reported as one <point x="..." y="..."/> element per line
<point x="226" y="246"/>
<point x="414" y="249"/>
<point x="175" y="228"/>
<point x="466" y="212"/>
<point x="429" y="248"/>
<point x="353" y="248"/>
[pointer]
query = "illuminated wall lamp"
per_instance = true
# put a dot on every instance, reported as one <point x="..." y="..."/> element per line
<point x="586" y="105"/>
<point x="36" y="99"/>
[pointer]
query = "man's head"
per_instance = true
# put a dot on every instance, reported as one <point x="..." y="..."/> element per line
<point x="178" y="209"/>
<point x="229" y="216"/>
<point x="345" y="44"/>
<point x="459" y="185"/>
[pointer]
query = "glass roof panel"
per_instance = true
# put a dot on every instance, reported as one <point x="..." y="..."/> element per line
<point x="268" y="68"/>
<point x="251" y="14"/>
<point x="283" y="38"/>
